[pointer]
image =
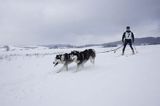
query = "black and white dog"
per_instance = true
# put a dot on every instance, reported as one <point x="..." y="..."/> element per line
<point x="64" y="59"/>
<point x="75" y="56"/>
<point x="82" y="57"/>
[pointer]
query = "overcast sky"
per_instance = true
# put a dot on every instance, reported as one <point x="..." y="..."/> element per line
<point x="78" y="22"/>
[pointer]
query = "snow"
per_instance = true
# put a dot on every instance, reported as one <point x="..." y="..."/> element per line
<point x="114" y="80"/>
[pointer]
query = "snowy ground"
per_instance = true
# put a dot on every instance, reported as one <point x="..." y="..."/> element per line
<point x="29" y="79"/>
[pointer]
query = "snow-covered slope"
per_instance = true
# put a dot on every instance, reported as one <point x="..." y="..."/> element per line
<point x="114" y="80"/>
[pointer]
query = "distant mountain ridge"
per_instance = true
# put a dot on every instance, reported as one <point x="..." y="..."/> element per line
<point x="138" y="41"/>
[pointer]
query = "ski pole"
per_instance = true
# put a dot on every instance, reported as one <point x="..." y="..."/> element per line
<point x="135" y="49"/>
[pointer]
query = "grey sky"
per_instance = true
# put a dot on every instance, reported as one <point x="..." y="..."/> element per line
<point x="76" y="21"/>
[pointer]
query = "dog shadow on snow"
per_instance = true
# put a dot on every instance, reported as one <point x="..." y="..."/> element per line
<point x="74" y="68"/>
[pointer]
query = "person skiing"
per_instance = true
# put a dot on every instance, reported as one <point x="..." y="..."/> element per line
<point x="127" y="38"/>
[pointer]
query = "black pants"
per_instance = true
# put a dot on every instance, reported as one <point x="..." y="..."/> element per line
<point x="128" y="41"/>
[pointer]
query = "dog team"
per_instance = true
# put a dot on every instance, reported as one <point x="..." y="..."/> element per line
<point x="78" y="57"/>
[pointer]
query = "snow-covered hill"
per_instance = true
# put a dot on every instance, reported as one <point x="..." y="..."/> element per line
<point x="114" y="80"/>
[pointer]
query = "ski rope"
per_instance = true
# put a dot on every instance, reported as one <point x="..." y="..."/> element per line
<point x="114" y="50"/>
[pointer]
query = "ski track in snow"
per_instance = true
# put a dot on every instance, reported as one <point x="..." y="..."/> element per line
<point x="114" y="80"/>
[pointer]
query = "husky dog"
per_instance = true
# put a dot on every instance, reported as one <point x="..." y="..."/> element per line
<point x="82" y="57"/>
<point x="64" y="59"/>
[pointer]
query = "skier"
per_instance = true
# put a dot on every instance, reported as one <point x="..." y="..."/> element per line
<point x="127" y="38"/>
